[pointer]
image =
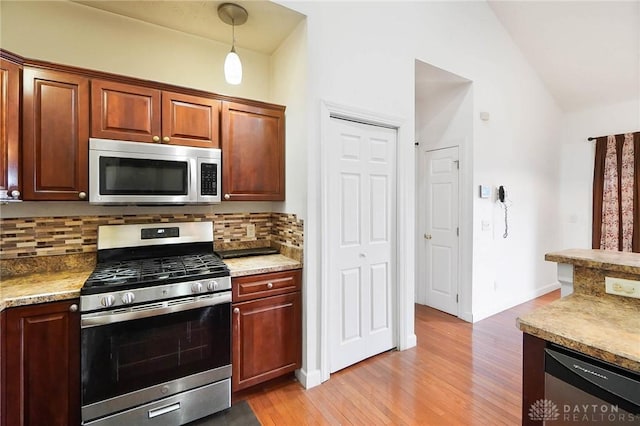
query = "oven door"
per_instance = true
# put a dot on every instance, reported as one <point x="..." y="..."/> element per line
<point x="148" y="352"/>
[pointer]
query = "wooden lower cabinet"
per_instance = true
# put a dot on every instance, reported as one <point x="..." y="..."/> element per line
<point x="267" y="331"/>
<point x="41" y="365"/>
<point x="532" y="375"/>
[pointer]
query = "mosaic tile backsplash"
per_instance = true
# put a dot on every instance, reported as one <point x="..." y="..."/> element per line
<point x="48" y="236"/>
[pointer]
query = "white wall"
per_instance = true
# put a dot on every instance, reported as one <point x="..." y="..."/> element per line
<point x="577" y="160"/>
<point x="362" y="55"/>
<point x="288" y="80"/>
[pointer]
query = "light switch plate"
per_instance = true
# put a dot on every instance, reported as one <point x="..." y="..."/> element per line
<point x="622" y="287"/>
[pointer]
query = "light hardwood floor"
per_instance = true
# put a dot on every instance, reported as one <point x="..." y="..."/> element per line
<point x="459" y="374"/>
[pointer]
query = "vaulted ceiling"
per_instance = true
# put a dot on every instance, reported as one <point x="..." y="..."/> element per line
<point x="587" y="53"/>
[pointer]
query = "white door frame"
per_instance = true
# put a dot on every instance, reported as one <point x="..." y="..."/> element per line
<point x="404" y="291"/>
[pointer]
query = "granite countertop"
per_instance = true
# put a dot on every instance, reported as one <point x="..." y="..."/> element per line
<point x="241" y="266"/>
<point x="605" y="327"/>
<point x="599" y="259"/>
<point x="41" y="287"/>
<point x="31" y="288"/>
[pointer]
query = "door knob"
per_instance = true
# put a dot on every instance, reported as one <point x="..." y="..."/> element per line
<point x="427" y="236"/>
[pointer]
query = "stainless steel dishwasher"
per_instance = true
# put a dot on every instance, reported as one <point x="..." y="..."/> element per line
<point x="581" y="390"/>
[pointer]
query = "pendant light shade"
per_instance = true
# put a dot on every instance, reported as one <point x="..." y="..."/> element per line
<point x="233" y="68"/>
<point x="233" y="15"/>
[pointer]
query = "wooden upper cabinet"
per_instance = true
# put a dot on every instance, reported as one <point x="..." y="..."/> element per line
<point x="55" y="135"/>
<point x="135" y="113"/>
<point x="124" y="112"/>
<point x="253" y="152"/>
<point x="9" y="126"/>
<point x="190" y="120"/>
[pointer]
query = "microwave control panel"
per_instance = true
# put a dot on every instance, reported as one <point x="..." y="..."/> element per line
<point x="209" y="179"/>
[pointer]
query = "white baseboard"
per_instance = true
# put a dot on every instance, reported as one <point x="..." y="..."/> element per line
<point x="466" y="316"/>
<point x="309" y="379"/>
<point x="410" y="342"/>
<point x="477" y="316"/>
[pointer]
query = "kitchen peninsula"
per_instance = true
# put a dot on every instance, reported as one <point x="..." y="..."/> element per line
<point x="589" y="321"/>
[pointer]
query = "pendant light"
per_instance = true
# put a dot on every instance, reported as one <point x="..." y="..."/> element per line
<point x="232" y="14"/>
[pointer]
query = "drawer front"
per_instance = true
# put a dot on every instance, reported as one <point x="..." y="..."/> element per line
<point x="265" y="285"/>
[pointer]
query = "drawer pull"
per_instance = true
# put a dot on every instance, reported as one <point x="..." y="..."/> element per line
<point x="270" y="285"/>
<point x="164" y="410"/>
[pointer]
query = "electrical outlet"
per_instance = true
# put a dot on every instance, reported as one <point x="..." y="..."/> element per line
<point x="251" y="230"/>
<point x="622" y="287"/>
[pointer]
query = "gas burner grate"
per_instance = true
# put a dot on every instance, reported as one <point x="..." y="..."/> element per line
<point x="148" y="272"/>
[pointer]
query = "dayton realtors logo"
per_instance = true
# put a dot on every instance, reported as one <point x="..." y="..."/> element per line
<point x="547" y="410"/>
<point x="543" y="409"/>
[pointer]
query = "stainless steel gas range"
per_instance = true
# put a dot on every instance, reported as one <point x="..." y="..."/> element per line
<point x="156" y="327"/>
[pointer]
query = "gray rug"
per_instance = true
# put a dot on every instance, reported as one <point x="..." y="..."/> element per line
<point x="240" y="414"/>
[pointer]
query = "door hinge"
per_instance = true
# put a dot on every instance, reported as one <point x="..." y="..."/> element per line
<point x="456" y="298"/>
<point x="457" y="164"/>
<point x="457" y="231"/>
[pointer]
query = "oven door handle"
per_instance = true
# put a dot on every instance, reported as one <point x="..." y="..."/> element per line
<point x="152" y="310"/>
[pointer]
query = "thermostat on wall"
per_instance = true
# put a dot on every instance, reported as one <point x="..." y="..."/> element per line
<point x="485" y="191"/>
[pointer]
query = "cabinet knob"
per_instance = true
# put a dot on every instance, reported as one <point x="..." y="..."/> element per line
<point x="236" y="310"/>
<point x="427" y="236"/>
<point x="156" y="138"/>
<point x="166" y="139"/>
<point x="73" y="308"/>
<point x="15" y="193"/>
<point x="82" y="195"/>
<point x="227" y="196"/>
<point x="270" y="285"/>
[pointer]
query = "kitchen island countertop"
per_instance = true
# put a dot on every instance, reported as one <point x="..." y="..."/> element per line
<point x="607" y="328"/>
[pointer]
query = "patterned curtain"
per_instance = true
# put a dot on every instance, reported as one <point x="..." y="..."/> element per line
<point x="616" y="197"/>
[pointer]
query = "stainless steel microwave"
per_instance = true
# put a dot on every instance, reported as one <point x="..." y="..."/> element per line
<point x="122" y="172"/>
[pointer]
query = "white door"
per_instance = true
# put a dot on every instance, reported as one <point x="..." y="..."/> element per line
<point x="361" y="231"/>
<point x="439" y="276"/>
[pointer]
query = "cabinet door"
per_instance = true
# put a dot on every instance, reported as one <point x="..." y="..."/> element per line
<point x="124" y="112"/>
<point x="55" y="135"/>
<point x="253" y="157"/>
<point x="42" y="383"/>
<point x="267" y="339"/>
<point x="190" y="120"/>
<point x="9" y="125"/>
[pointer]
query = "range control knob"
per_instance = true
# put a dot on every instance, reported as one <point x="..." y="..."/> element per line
<point x="196" y="287"/>
<point x="128" y="297"/>
<point x="107" y="300"/>
<point x="213" y="285"/>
